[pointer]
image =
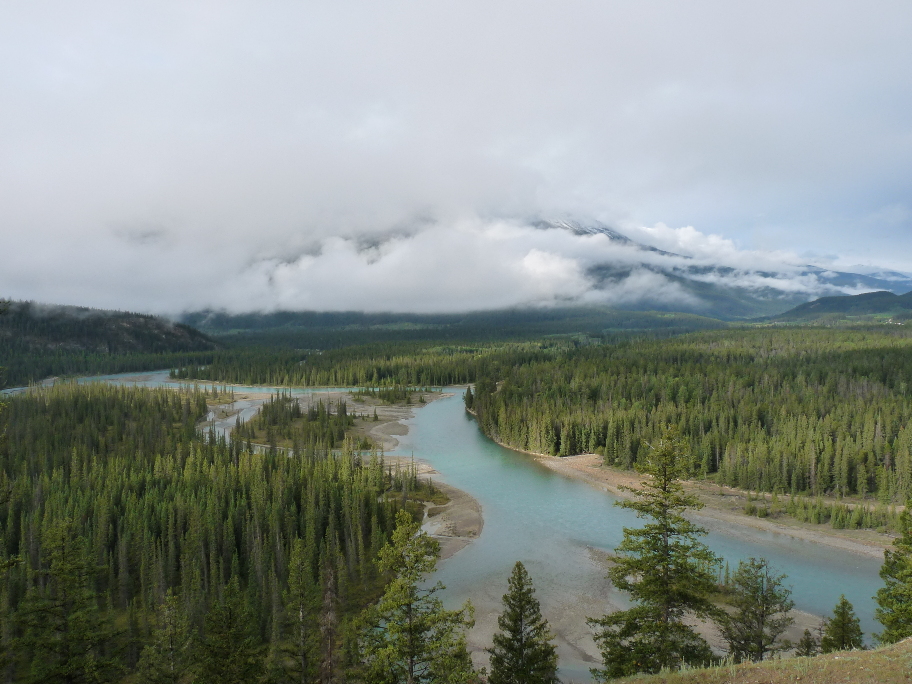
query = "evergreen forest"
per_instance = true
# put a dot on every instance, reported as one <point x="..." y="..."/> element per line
<point x="797" y="410"/>
<point x="120" y="520"/>
<point x="135" y="547"/>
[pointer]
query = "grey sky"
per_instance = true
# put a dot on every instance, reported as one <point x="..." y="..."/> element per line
<point x="385" y="155"/>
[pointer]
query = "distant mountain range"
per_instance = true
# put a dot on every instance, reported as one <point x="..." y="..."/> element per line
<point x="870" y="305"/>
<point x="721" y="291"/>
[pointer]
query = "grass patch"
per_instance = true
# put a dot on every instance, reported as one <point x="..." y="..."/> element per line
<point x="889" y="664"/>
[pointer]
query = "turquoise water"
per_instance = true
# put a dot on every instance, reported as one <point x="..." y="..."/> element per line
<point x="552" y="524"/>
<point x="549" y="522"/>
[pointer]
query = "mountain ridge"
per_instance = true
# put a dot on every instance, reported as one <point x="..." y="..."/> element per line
<point x="717" y="290"/>
<point x="868" y="304"/>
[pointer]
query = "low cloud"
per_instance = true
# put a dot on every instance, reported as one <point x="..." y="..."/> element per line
<point x="432" y="266"/>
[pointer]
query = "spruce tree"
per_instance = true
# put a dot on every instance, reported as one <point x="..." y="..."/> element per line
<point x="408" y="637"/>
<point x="167" y="658"/>
<point x="894" y="600"/>
<point x="807" y="645"/>
<point x="522" y="652"/>
<point x="761" y="606"/>
<point x="300" y="609"/>
<point x="330" y="602"/>
<point x="666" y="570"/>
<point x="229" y="652"/>
<point x="842" y="631"/>
<point x="65" y="635"/>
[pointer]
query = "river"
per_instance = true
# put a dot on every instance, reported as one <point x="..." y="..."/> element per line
<point x="553" y="524"/>
<point x="559" y="528"/>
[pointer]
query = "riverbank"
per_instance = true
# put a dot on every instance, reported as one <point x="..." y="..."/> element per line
<point x="722" y="506"/>
<point x="457" y="523"/>
<point x="389" y="424"/>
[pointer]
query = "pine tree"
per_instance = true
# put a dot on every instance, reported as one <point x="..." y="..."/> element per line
<point x="842" y="631"/>
<point x="300" y="607"/>
<point x="807" y="646"/>
<point x="761" y="606"/>
<point x="894" y="600"/>
<point x="167" y="657"/>
<point x="667" y="572"/>
<point x="229" y="652"/>
<point x="329" y="614"/>
<point x="408" y="637"/>
<point x="522" y="652"/>
<point x="65" y="635"/>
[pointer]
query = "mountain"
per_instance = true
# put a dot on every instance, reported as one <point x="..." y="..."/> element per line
<point x="677" y="282"/>
<point x="38" y="341"/>
<point x="871" y="305"/>
<point x="31" y="326"/>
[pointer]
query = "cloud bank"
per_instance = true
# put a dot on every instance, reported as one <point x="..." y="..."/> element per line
<point x="464" y="265"/>
<point x="384" y="155"/>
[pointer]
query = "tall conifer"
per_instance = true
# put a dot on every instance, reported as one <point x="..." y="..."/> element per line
<point x="842" y="631"/>
<point x="522" y="652"/>
<point x="667" y="571"/>
<point x="408" y="637"/>
<point x="761" y="606"/>
<point x="894" y="609"/>
<point x="166" y="659"/>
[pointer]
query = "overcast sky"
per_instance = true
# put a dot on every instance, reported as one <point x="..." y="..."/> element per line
<point x="389" y="155"/>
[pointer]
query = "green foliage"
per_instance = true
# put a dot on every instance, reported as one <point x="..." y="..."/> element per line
<point x="842" y="631"/>
<point x="282" y="421"/>
<point x="64" y="634"/>
<point x="156" y="509"/>
<point x="844" y="308"/>
<point x="805" y="411"/>
<point x="808" y="645"/>
<point x="230" y="652"/>
<point x="328" y="329"/>
<point x="522" y="651"/>
<point x="167" y="657"/>
<point x="894" y="599"/>
<point x="390" y="395"/>
<point x="408" y="637"/>
<point x="761" y="605"/>
<point x="389" y="368"/>
<point x="300" y="611"/>
<point x="668" y="572"/>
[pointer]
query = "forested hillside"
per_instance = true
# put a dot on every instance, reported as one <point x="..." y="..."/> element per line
<point x="118" y="522"/>
<point x="326" y="329"/>
<point x="802" y="410"/>
<point x="38" y="341"/>
<point x="869" y="305"/>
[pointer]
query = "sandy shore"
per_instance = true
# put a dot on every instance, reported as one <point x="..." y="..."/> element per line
<point x="455" y="524"/>
<point x="721" y="507"/>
